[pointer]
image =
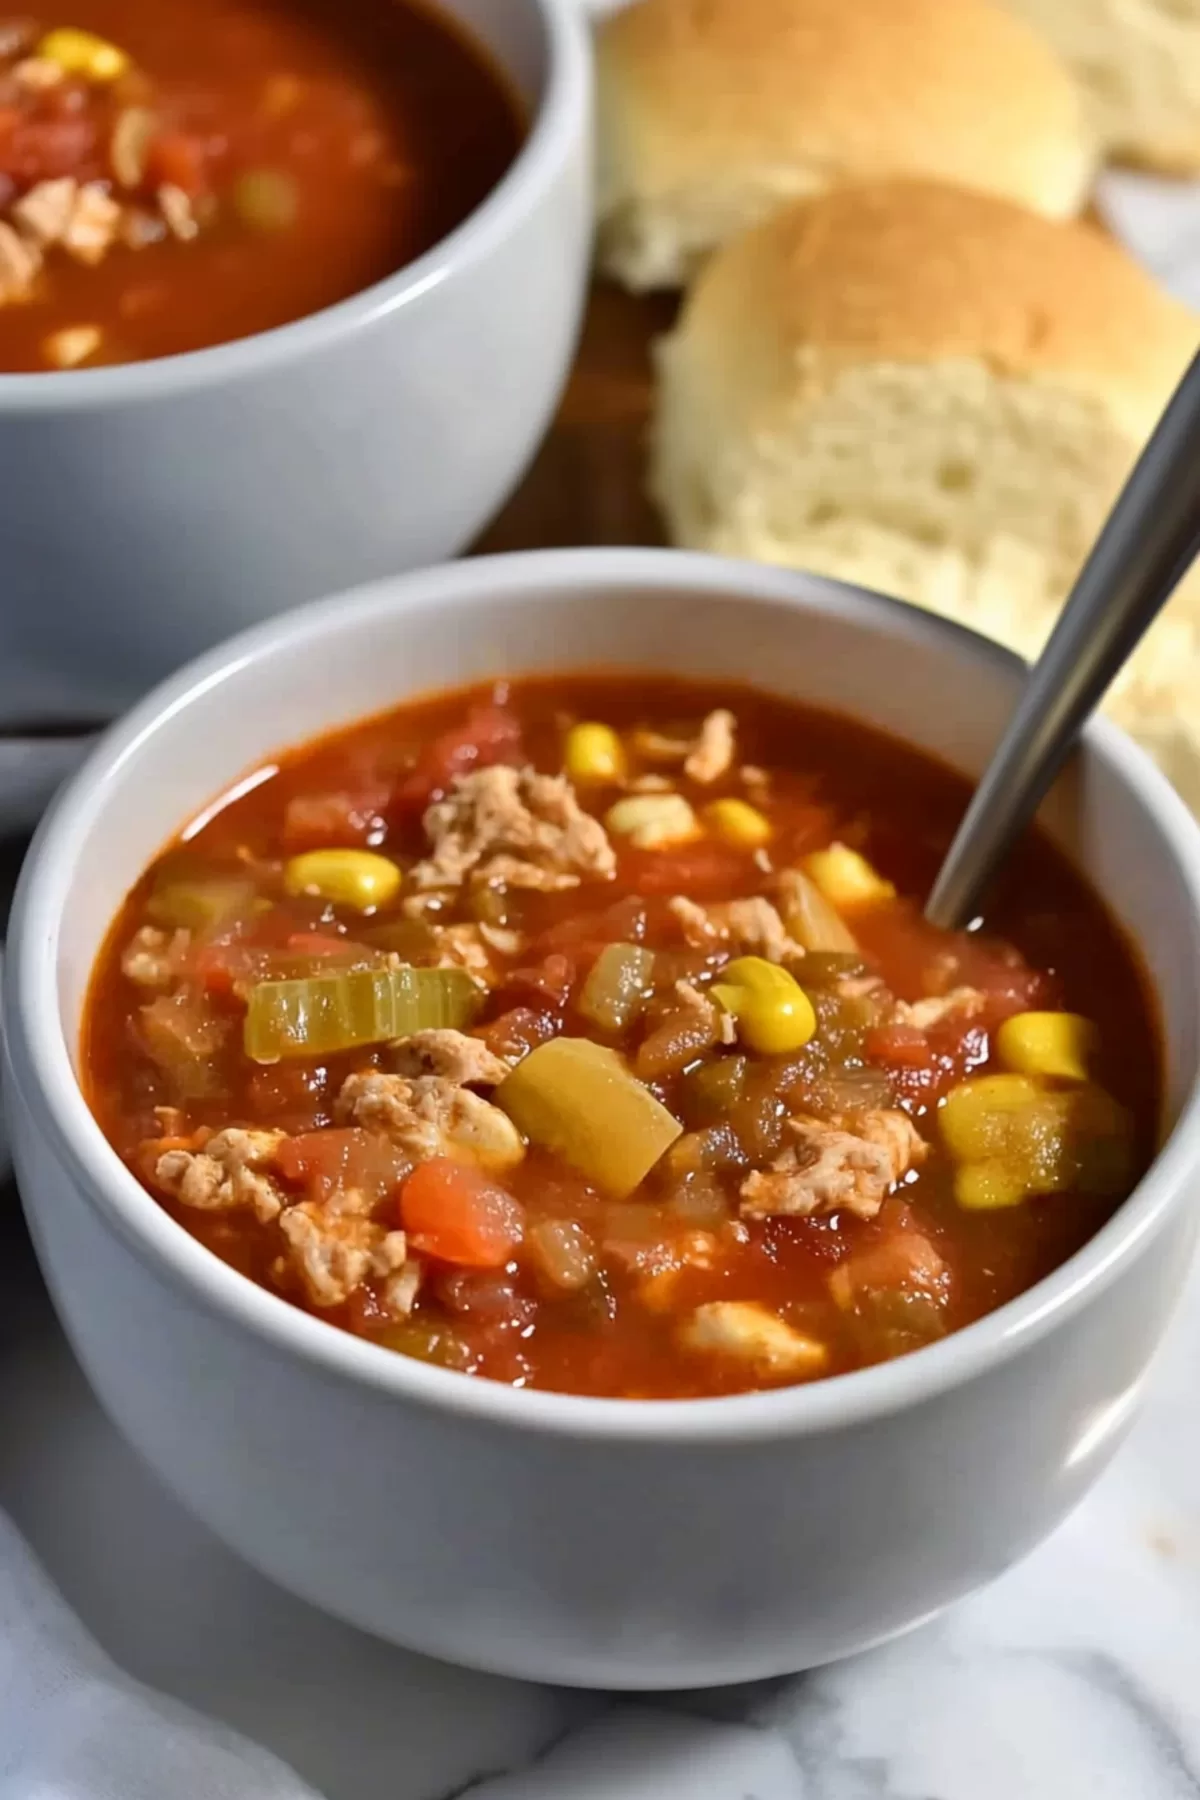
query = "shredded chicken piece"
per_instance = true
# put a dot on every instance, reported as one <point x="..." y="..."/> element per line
<point x="711" y="756"/>
<point x="748" y="1331"/>
<point x="756" y="929"/>
<point x="45" y="212"/>
<point x="334" y="1253"/>
<point x="748" y="927"/>
<point x="176" y="209"/>
<point x="503" y="939"/>
<point x="140" y="228"/>
<point x="84" y="220"/>
<point x="705" y="757"/>
<point x="231" y="1169"/>
<point x="153" y="958"/>
<point x="20" y="261"/>
<point x="959" y="1003"/>
<point x="699" y="1003"/>
<point x="67" y="348"/>
<point x="37" y="74"/>
<point x="92" y="228"/>
<point x="451" y="1054"/>
<point x="463" y="947"/>
<point x="401" y="1289"/>
<point x="860" y="987"/>
<point x="656" y="746"/>
<point x="514" y="826"/>
<point x="431" y="1116"/>
<point x="699" y="927"/>
<point x="827" y="1169"/>
<point x="426" y="905"/>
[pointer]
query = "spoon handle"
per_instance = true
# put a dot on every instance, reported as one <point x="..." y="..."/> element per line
<point x="1147" y="545"/>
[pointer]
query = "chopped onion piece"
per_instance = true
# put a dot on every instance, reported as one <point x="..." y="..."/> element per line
<point x="616" y="989"/>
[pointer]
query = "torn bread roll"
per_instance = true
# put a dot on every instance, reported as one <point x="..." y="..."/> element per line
<point x="711" y="115"/>
<point x="938" y="395"/>
<point x="1138" y="66"/>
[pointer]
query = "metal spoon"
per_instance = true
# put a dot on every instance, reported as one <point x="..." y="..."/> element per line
<point x="1150" y="540"/>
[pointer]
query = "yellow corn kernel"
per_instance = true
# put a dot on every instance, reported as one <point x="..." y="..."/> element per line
<point x="987" y="1186"/>
<point x="980" y="1118"/>
<point x="354" y="878"/>
<point x="738" y="823"/>
<point x="83" y="53"/>
<point x="652" y="821"/>
<point x="594" y="753"/>
<point x="1047" y="1043"/>
<point x="774" y="1015"/>
<point x="847" y="879"/>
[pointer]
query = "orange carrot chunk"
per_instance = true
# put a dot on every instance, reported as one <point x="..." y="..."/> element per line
<point x="456" y="1213"/>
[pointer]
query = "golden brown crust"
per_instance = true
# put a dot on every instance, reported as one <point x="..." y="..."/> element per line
<point x="917" y="271"/>
<point x="954" y="88"/>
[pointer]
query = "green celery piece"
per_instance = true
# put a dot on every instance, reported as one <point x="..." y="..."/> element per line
<point x="317" y="1015"/>
<point x="199" y="904"/>
<point x="577" y="1099"/>
<point x="615" y="990"/>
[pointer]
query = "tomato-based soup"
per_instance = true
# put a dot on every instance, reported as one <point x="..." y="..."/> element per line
<point x="585" y="1034"/>
<point x="177" y="175"/>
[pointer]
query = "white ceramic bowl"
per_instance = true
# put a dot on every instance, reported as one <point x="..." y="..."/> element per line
<point x="615" y="1543"/>
<point x="151" y="510"/>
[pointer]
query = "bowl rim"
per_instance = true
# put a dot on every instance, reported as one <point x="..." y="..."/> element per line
<point x="47" y="1090"/>
<point x="563" y="108"/>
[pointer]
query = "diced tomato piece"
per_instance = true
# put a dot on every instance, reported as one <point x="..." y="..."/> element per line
<point x="584" y="935"/>
<point x="290" y="1096"/>
<point x="322" y="944"/>
<point x="700" y="870"/>
<point x="335" y="821"/>
<point x="544" y="984"/>
<point x="516" y="1032"/>
<point x="177" y="160"/>
<point x="336" y="1161"/>
<point x="900" y="1047"/>
<point x="492" y="1297"/>
<point x="489" y="735"/>
<point x="455" y="1212"/>
<point x="45" y="145"/>
<point x="219" y="967"/>
<point x="897" y="1256"/>
<point x="1012" y="987"/>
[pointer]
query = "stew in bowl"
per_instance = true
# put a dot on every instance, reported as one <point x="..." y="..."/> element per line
<point x="585" y="1033"/>
<point x="177" y="176"/>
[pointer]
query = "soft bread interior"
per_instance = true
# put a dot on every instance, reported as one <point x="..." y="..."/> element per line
<point x="971" y="493"/>
<point x="1138" y="64"/>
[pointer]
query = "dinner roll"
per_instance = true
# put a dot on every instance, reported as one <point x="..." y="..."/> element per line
<point x="936" y="394"/>
<point x="1139" y="68"/>
<point x="714" y="112"/>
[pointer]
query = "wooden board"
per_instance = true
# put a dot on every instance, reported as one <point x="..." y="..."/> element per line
<point x="587" y="485"/>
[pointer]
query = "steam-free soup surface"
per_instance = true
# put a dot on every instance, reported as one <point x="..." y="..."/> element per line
<point x="585" y="1034"/>
<point x="175" y="176"/>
